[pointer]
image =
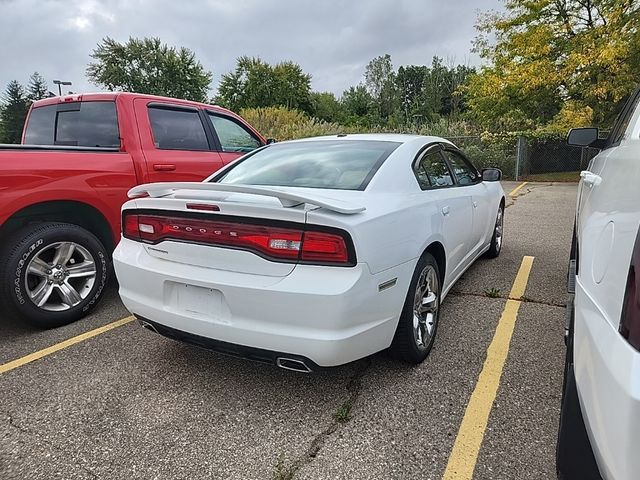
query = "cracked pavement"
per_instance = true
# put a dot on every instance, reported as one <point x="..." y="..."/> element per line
<point x="131" y="404"/>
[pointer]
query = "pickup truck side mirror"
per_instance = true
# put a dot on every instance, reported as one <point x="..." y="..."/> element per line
<point x="271" y="140"/>
<point x="585" y="137"/>
<point x="491" y="174"/>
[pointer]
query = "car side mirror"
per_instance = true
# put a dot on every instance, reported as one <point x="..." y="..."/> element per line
<point x="271" y="140"/>
<point x="585" y="137"/>
<point x="491" y="175"/>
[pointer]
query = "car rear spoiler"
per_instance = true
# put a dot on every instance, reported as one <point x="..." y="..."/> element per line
<point x="287" y="199"/>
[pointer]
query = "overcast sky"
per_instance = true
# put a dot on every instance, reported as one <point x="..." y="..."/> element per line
<point x="332" y="40"/>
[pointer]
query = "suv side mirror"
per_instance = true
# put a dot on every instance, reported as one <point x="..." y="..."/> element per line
<point x="491" y="174"/>
<point x="270" y="141"/>
<point x="585" y="137"/>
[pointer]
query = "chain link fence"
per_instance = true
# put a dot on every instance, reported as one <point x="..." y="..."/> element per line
<point x="546" y="158"/>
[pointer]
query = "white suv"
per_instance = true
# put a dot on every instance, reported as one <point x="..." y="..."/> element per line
<point x="599" y="432"/>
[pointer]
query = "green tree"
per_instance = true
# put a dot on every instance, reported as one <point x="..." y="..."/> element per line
<point x="379" y="78"/>
<point x="149" y="66"/>
<point x="325" y="106"/>
<point x="37" y="87"/>
<point x="358" y="105"/>
<point x="255" y="83"/>
<point x="13" y="113"/>
<point x="553" y="60"/>
<point x="410" y="84"/>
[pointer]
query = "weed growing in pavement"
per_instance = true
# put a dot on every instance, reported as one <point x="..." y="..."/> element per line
<point x="492" y="292"/>
<point x="343" y="414"/>
<point x="281" y="470"/>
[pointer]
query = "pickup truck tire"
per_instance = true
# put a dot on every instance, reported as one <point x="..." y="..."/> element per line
<point x="574" y="456"/>
<point x="52" y="274"/>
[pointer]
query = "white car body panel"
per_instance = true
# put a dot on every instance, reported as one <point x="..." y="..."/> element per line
<point x="607" y="368"/>
<point x="328" y="314"/>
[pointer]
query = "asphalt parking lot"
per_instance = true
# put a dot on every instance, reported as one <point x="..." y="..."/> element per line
<point x="130" y="404"/>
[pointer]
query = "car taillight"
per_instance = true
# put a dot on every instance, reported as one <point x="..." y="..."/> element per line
<point x="277" y="243"/>
<point x="630" y="318"/>
<point x="321" y="247"/>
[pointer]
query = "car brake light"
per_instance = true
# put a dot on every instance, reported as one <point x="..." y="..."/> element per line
<point x="276" y="243"/>
<point x="630" y="318"/>
<point x="321" y="246"/>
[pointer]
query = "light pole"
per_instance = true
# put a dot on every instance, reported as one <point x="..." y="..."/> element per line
<point x="59" y="83"/>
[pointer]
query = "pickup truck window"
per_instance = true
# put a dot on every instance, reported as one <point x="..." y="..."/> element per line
<point x="176" y="129"/>
<point x="233" y="136"/>
<point x="82" y="124"/>
<point x="622" y="122"/>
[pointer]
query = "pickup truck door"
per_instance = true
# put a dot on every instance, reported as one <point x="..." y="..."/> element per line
<point x="176" y="144"/>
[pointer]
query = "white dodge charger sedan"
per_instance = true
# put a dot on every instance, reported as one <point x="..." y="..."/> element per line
<point x="310" y="253"/>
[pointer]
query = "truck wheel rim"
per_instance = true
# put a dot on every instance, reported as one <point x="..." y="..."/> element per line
<point x="60" y="276"/>
<point x="425" y="306"/>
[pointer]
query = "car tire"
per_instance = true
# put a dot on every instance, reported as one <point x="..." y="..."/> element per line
<point x="52" y="274"/>
<point x="574" y="456"/>
<point x="498" y="231"/>
<point x="414" y="336"/>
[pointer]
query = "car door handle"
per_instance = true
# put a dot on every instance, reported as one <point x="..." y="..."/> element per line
<point x="164" y="167"/>
<point x="445" y="211"/>
<point x="475" y="204"/>
<point x="590" y="178"/>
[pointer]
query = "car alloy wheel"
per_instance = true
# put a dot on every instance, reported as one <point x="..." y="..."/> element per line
<point x="426" y="306"/>
<point x="60" y="276"/>
<point x="498" y="229"/>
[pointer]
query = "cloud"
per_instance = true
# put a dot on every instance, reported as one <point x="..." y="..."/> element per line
<point x="332" y="40"/>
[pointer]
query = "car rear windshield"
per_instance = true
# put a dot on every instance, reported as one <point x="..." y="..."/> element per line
<point x="81" y="124"/>
<point x="344" y="165"/>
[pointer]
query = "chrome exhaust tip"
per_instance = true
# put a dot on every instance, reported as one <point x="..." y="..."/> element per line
<point x="148" y="326"/>
<point x="292" y="364"/>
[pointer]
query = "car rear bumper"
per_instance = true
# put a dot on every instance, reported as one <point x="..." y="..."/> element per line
<point x="607" y="371"/>
<point x="329" y="315"/>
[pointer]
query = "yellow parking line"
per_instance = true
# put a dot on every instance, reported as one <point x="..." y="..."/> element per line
<point x="463" y="458"/>
<point x="515" y="191"/>
<point x="67" y="343"/>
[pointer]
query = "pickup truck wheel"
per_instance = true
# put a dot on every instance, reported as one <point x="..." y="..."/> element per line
<point x="52" y="274"/>
<point x="574" y="456"/>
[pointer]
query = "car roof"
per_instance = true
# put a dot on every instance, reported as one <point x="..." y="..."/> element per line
<point x="379" y="137"/>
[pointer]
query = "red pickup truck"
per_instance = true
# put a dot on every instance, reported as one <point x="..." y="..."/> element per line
<point x="62" y="189"/>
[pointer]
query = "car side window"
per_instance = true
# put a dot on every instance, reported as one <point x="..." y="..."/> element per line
<point x="177" y="129"/>
<point x="432" y="171"/>
<point x="464" y="172"/>
<point x="233" y="136"/>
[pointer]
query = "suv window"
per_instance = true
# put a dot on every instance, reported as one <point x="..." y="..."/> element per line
<point x="177" y="129"/>
<point x="432" y="171"/>
<point x="464" y="172"/>
<point x="233" y="136"/>
<point x="83" y="124"/>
